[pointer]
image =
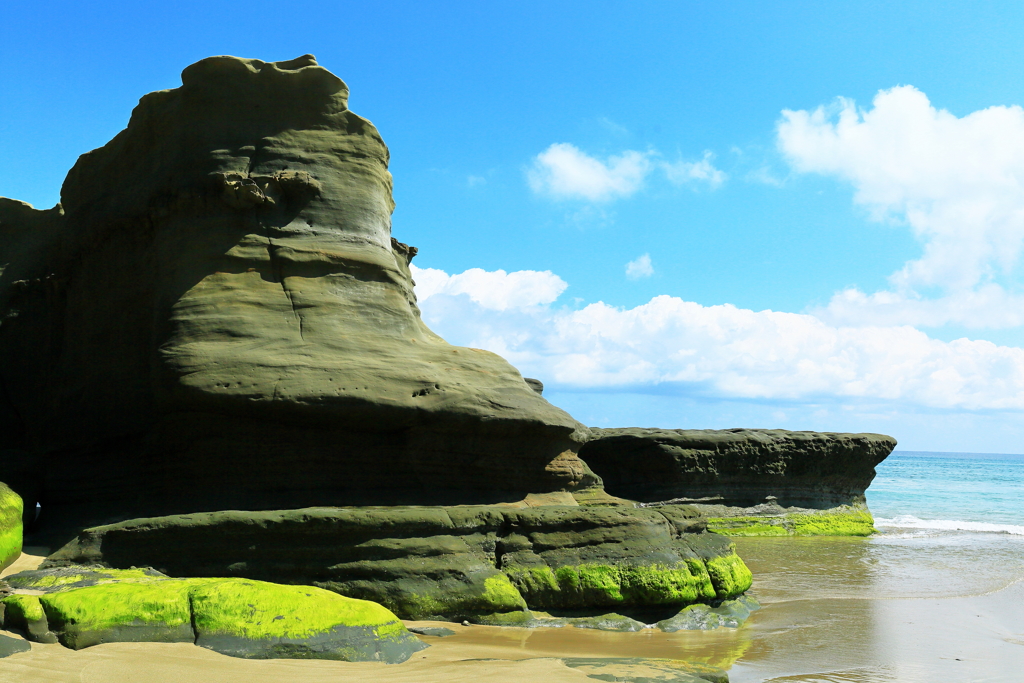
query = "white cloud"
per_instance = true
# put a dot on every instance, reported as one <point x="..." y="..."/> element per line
<point x="492" y="290"/>
<point x="639" y="267"/>
<point x="474" y="180"/>
<point x="564" y="172"/>
<point x="955" y="181"/>
<point x="720" y="350"/>
<point x="682" y="172"/>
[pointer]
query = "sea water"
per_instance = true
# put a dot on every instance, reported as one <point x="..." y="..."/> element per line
<point x="949" y="492"/>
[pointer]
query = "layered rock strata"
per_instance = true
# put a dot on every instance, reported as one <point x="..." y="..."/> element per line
<point x="216" y="316"/>
<point x="482" y="563"/>
<point x="746" y="481"/>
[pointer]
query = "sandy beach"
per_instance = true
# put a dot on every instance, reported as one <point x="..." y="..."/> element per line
<point x="833" y="610"/>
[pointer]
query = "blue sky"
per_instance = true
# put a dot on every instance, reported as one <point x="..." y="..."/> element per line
<point x="804" y="215"/>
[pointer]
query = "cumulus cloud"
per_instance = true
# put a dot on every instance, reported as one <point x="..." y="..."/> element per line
<point x="639" y="267"/>
<point x="719" y="350"/>
<point x="491" y="290"/>
<point x="682" y="172"/>
<point x="955" y="181"/>
<point x="564" y="172"/>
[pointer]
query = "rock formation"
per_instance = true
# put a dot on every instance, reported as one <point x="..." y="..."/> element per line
<point x="217" y="317"/>
<point x="81" y="607"/>
<point x="215" y="365"/>
<point x="747" y="481"/>
<point x="10" y="526"/>
<point x="482" y="563"/>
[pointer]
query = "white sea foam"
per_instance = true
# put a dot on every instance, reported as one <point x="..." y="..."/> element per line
<point x="911" y="522"/>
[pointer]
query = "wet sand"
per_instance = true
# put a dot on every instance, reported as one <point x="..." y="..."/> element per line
<point x="837" y="610"/>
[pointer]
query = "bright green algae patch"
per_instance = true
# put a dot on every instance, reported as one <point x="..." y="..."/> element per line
<point x="256" y="609"/>
<point x="238" y="617"/>
<point x="605" y="585"/>
<point x="847" y="521"/>
<point x="730" y="576"/>
<point x="11" y="509"/>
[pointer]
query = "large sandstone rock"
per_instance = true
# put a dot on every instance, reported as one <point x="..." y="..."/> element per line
<point x="747" y="482"/>
<point x="738" y="467"/>
<point x="216" y="316"/>
<point x="484" y="563"/>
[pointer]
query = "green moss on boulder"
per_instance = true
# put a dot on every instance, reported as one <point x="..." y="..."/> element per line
<point x="134" y="611"/>
<point x="10" y="525"/>
<point x="730" y="576"/>
<point x="237" y="617"/>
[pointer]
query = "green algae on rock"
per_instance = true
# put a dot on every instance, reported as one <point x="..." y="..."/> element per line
<point x="237" y="617"/>
<point x="845" y="520"/>
<point x="11" y="525"/>
<point x="481" y="563"/>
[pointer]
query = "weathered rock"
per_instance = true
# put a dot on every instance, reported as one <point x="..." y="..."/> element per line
<point x="728" y="614"/>
<point x="482" y="563"/>
<point x="745" y="473"/>
<point x="237" y="617"/>
<point x="431" y="631"/>
<point x="217" y="317"/>
<point x="10" y="526"/>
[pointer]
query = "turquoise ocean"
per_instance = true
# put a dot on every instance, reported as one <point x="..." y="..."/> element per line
<point x="949" y="492"/>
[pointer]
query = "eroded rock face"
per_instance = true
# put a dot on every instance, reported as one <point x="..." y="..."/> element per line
<point x="737" y="467"/>
<point x="216" y="316"/>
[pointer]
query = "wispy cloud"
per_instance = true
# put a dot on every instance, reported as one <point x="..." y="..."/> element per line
<point x="639" y="267"/>
<point x="682" y="172"/>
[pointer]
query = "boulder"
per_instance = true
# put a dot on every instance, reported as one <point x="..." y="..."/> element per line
<point x="482" y="563"/>
<point x="236" y="617"/>
<point x="11" y="526"/>
<point x="216" y="316"/>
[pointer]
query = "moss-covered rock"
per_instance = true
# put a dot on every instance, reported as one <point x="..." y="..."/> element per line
<point x="257" y="620"/>
<point x="24" y="614"/>
<point x="237" y="617"/>
<point x="729" y="614"/>
<point x="10" y="525"/>
<point x="61" y="578"/>
<point x="846" y="520"/>
<point x="481" y="563"/>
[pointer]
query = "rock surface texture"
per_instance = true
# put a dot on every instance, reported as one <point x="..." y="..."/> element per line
<point x="483" y="563"/>
<point x="746" y="481"/>
<point x="218" y="298"/>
